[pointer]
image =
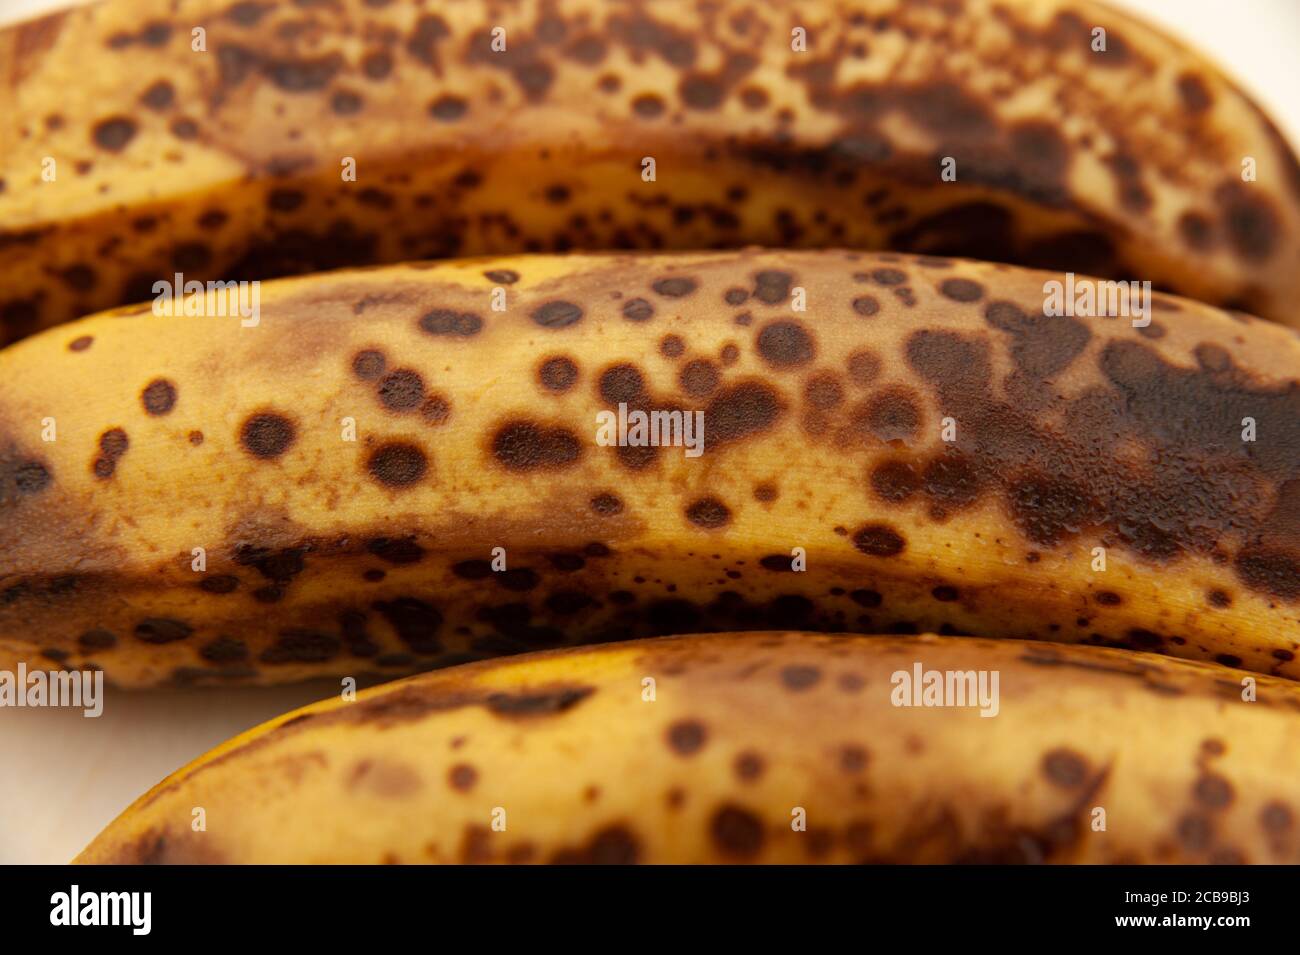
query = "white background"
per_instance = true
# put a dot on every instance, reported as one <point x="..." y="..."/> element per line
<point x="63" y="777"/>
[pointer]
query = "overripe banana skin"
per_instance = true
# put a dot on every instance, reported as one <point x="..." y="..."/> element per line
<point x="1094" y="755"/>
<point x="347" y="468"/>
<point x="229" y="162"/>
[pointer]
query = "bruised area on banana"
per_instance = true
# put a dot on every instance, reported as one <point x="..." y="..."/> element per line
<point x="230" y="162"/>
<point x="754" y="747"/>
<point x="350" y="468"/>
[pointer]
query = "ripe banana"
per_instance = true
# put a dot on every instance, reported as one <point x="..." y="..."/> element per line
<point x="247" y="140"/>
<point x="759" y="747"/>
<point x="384" y="473"/>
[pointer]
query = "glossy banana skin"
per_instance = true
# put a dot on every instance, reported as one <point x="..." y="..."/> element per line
<point x="350" y="465"/>
<point x="228" y="162"/>
<point x="741" y="731"/>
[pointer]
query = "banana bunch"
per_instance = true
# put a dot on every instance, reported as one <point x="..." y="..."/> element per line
<point x="458" y="343"/>
<point x="682" y="750"/>
<point x="386" y="474"/>
<point x="246" y="140"/>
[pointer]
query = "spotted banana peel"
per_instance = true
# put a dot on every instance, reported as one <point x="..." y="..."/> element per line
<point x="386" y="474"/>
<point x="246" y="140"/>
<point x="754" y="747"/>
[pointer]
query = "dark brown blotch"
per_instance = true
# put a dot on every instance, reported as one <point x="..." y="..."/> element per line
<point x="267" y="435"/>
<point x="1050" y="510"/>
<point x="93" y="640"/>
<point x="114" y="442"/>
<point x="159" y="630"/>
<point x="748" y="766"/>
<point x="283" y="199"/>
<point x="800" y="677"/>
<point x="369" y="364"/>
<point x="674" y="286"/>
<point x="1212" y="791"/>
<point x="866" y="305"/>
<point x="462" y="777"/>
<point x="648" y="106"/>
<point x="113" y="134"/>
<point x="893" y="415"/>
<point x="888" y="276"/>
<point x="184" y="128"/>
<point x="771" y="287"/>
<point x="741" y="410"/>
<point x="1065" y="768"/>
<point x="395" y="550"/>
<point x="699" y="378"/>
<point x="1250" y="220"/>
<point x="377" y="64"/>
<point x="1195" y="832"/>
<point x="612" y="845"/>
<point x="219" y="584"/>
<point x="558" y="374"/>
<point x="687" y="737"/>
<point x="895" y="480"/>
<point x="29" y="477"/>
<point x="853" y="758"/>
<point x="300" y="645"/>
<point x="557" y="314"/>
<point x="823" y="391"/>
<point x="701" y="92"/>
<point x="1276" y="818"/>
<point x="879" y="540"/>
<point x="445" y="321"/>
<point x="863" y="367"/>
<point x="638" y="310"/>
<point x="961" y="290"/>
<point x="709" y="513"/>
<point x="415" y="622"/>
<point x="621" y="383"/>
<point x="1219" y="598"/>
<point x="1194" y="93"/>
<point x="158" y="397"/>
<point x="530" y="446"/>
<point x="112" y="446"/>
<point x="158" y="96"/>
<point x="785" y="344"/>
<point x="398" y="464"/>
<point x="346" y="102"/>
<point x="224" y="649"/>
<point x="401" y="390"/>
<point x="303" y="76"/>
<point x="737" y="832"/>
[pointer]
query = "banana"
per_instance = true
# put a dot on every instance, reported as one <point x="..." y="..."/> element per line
<point x="246" y="140"/>
<point x="384" y="473"/>
<point x="759" y="747"/>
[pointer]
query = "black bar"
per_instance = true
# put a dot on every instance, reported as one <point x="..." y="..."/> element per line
<point x="343" y="905"/>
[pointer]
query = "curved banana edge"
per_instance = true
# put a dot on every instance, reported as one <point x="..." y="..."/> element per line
<point x="385" y="474"/>
<point x="758" y="747"/>
<point x="244" y="141"/>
